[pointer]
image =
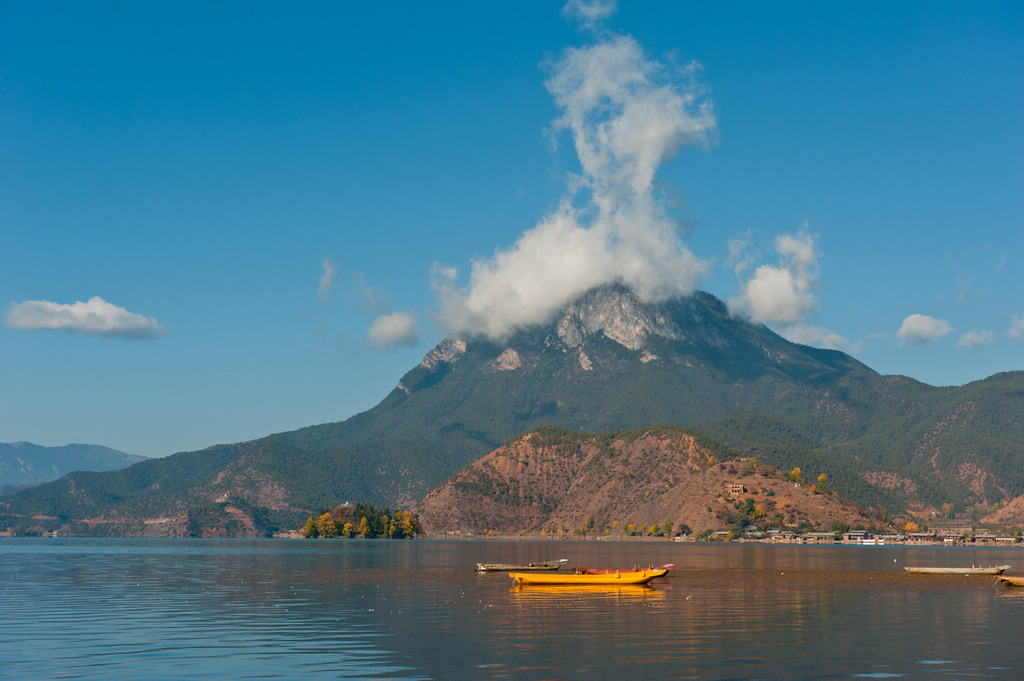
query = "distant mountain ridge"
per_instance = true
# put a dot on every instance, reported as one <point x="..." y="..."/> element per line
<point x="608" y="362"/>
<point x="23" y="464"/>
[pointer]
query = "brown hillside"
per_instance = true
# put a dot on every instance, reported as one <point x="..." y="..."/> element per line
<point x="1010" y="515"/>
<point x="553" y="479"/>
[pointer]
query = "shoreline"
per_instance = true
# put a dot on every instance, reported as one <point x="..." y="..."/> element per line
<point x="689" y="540"/>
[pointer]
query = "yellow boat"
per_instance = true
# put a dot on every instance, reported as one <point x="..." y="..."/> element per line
<point x="625" y="577"/>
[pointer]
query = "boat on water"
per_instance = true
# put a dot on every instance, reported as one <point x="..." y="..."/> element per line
<point x="1016" y="580"/>
<point x="992" y="570"/>
<point x="604" y="571"/>
<point x="602" y="579"/>
<point x="521" y="567"/>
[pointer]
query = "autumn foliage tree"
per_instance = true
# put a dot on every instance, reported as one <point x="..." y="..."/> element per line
<point x="326" y="527"/>
<point x="365" y="521"/>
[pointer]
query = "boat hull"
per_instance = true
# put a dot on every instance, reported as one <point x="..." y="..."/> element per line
<point x="604" y="571"/>
<point x="994" y="570"/>
<point x="630" y="577"/>
<point x="520" y="567"/>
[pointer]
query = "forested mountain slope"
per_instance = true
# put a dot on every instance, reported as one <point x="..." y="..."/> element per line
<point x="606" y="363"/>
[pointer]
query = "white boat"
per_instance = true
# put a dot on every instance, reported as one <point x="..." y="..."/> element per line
<point x="521" y="567"/>
<point x="993" y="570"/>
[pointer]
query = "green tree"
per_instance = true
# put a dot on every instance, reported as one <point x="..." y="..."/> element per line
<point x="668" y="528"/>
<point x="839" y="527"/>
<point x="311" y="530"/>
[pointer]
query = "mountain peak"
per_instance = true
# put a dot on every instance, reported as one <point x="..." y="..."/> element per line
<point x="694" y="329"/>
<point x="618" y="314"/>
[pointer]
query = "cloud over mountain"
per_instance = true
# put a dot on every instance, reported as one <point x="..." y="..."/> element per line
<point x="627" y="115"/>
<point x="783" y="293"/>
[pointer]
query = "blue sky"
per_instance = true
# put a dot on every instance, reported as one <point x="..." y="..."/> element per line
<point x="224" y="220"/>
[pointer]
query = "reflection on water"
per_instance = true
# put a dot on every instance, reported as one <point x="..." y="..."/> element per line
<point x="209" y="609"/>
<point x="570" y="595"/>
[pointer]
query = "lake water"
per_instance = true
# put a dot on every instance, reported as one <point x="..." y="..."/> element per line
<point x="279" y="609"/>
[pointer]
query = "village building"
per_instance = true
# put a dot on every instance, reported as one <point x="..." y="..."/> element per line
<point x="734" y="488"/>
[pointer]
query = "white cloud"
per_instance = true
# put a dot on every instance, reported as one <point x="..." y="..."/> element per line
<point x="1016" y="330"/>
<point x="976" y="339"/>
<point x="918" y="329"/>
<point x="323" y="291"/>
<point x="816" y="336"/>
<point x="626" y="116"/>
<point x="96" y="317"/>
<point x="395" y="328"/>
<point x="589" y="12"/>
<point x="782" y="293"/>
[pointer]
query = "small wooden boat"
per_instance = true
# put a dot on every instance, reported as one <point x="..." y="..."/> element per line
<point x="629" y="577"/>
<point x="993" y="570"/>
<point x="1016" y="580"/>
<point x="521" y="567"/>
<point x="604" y="571"/>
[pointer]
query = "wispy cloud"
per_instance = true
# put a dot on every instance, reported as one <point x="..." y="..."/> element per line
<point x="589" y="13"/>
<point x="394" y="329"/>
<point x="327" y="278"/>
<point x="96" y="317"/>
<point x="369" y="299"/>
<point x="918" y="329"/>
<point x="627" y="115"/>
<point x="965" y="286"/>
<point x="741" y="255"/>
<point x="1016" y="330"/>
<point x="976" y="339"/>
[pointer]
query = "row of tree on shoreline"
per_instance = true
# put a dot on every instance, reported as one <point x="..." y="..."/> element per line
<point x="362" y="521"/>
